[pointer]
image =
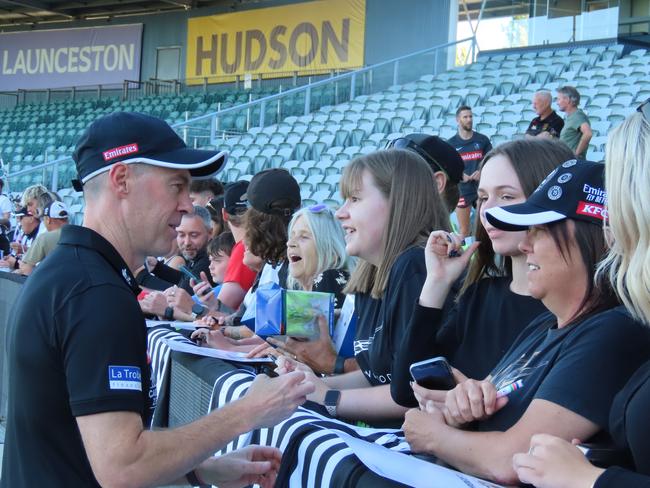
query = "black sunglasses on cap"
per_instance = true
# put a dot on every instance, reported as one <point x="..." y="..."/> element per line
<point x="403" y="143"/>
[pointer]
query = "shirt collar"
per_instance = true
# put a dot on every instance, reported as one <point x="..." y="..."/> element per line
<point x="85" y="237"/>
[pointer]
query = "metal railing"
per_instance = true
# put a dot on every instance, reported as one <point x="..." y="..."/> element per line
<point x="302" y="100"/>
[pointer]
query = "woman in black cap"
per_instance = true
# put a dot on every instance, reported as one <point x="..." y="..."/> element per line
<point x="552" y="462"/>
<point x="561" y="374"/>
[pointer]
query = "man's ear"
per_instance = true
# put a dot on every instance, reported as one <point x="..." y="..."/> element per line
<point x="224" y="214"/>
<point x="441" y="181"/>
<point x="118" y="177"/>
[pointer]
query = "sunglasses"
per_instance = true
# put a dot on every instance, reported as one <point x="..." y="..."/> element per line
<point x="644" y="108"/>
<point x="319" y="208"/>
<point x="403" y="143"/>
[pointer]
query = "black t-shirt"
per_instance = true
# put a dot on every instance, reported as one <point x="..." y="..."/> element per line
<point x="332" y="281"/>
<point x="552" y="124"/>
<point x="628" y="425"/>
<point x="382" y="323"/>
<point x="580" y="367"/>
<point x="76" y="345"/>
<point x="472" y="150"/>
<point x="473" y="334"/>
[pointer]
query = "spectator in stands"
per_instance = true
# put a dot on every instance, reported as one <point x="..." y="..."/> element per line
<point x="192" y="237"/>
<point x="55" y="216"/>
<point x="547" y="123"/>
<point x="552" y="462"/>
<point x="445" y="162"/>
<point x="6" y="208"/>
<point x="389" y="211"/>
<point x="80" y="393"/>
<point x="472" y="147"/>
<point x="585" y="335"/>
<point x="30" y="200"/>
<point x="24" y="235"/>
<point x="317" y="262"/>
<point x="494" y="304"/>
<point x="238" y="278"/>
<point x="202" y="191"/>
<point x="576" y="132"/>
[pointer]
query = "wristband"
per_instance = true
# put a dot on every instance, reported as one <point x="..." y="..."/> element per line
<point x="193" y="478"/>
<point x="169" y="313"/>
<point x="339" y="365"/>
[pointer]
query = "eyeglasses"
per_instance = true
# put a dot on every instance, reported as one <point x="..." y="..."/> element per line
<point x="644" y="108"/>
<point x="403" y="143"/>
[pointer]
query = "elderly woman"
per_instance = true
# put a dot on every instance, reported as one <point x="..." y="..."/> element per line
<point x="568" y="363"/>
<point x="552" y="462"/>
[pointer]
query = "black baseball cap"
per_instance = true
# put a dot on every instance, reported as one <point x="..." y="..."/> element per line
<point x="574" y="190"/>
<point x="437" y="152"/>
<point x="274" y="191"/>
<point x="129" y="137"/>
<point x="23" y="212"/>
<point x="234" y="198"/>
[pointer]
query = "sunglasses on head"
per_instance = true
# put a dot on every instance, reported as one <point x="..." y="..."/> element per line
<point x="319" y="208"/>
<point x="403" y="143"/>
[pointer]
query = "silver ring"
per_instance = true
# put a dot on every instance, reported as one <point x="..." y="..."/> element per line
<point x="531" y="451"/>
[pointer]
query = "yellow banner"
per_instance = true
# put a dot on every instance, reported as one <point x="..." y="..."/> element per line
<point x="313" y="36"/>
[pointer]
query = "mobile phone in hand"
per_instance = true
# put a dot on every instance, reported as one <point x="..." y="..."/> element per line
<point x="433" y="374"/>
<point x="185" y="270"/>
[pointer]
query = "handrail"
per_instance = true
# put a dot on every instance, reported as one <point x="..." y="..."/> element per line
<point x="270" y="98"/>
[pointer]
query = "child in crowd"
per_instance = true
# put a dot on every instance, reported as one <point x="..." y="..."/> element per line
<point x="493" y="305"/>
<point x="552" y="462"/>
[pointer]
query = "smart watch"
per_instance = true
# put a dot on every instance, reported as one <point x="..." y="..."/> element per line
<point x="197" y="311"/>
<point x="332" y="398"/>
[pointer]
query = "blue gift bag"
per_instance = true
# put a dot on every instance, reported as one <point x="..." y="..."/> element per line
<point x="269" y="310"/>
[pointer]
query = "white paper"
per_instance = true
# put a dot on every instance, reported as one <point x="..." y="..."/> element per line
<point x="212" y="353"/>
<point x="407" y="469"/>
<point x="175" y="324"/>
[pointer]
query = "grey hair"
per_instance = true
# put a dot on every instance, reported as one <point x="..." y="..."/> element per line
<point x="571" y="93"/>
<point x="31" y="192"/>
<point x="545" y="94"/>
<point x="203" y="214"/>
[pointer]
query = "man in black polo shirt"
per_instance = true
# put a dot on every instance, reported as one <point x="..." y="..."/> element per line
<point x="547" y="123"/>
<point x="80" y="394"/>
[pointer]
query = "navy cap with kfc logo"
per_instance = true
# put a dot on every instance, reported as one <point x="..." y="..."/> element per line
<point x="574" y="190"/>
<point x="139" y="138"/>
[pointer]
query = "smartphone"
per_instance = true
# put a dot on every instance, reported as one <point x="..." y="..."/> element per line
<point x="185" y="270"/>
<point x="433" y="374"/>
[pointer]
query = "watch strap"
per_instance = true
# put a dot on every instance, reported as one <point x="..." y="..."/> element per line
<point x="332" y="398"/>
<point x="169" y="313"/>
<point x="339" y="365"/>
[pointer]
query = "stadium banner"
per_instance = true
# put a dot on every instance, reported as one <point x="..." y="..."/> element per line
<point x="70" y="57"/>
<point x="310" y="37"/>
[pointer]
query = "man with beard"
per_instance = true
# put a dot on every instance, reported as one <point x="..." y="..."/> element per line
<point x="192" y="238"/>
<point x="472" y="147"/>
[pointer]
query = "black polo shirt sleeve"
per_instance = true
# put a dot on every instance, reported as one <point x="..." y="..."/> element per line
<point x="104" y="351"/>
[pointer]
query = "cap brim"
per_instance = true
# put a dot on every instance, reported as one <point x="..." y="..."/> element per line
<point x="521" y="216"/>
<point x="201" y="164"/>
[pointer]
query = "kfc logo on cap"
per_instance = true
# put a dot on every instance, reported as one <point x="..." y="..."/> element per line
<point x="120" y="151"/>
<point x="592" y="210"/>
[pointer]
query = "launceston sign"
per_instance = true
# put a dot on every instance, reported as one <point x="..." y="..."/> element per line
<point x="70" y="57"/>
<point x="313" y="36"/>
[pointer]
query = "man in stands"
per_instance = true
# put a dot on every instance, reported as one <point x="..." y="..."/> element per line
<point x="80" y="392"/>
<point x="31" y="198"/>
<point x="472" y="147"/>
<point x="547" y="123"/>
<point x="202" y="191"/>
<point x="55" y="216"/>
<point x="193" y="235"/>
<point x="24" y="235"/>
<point x="577" y="130"/>
<point x="6" y="208"/>
<point x="239" y="277"/>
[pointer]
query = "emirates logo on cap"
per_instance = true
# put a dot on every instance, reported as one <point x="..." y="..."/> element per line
<point x="120" y="151"/>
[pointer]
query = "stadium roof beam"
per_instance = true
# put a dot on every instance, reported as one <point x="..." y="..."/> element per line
<point x="33" y="4"/>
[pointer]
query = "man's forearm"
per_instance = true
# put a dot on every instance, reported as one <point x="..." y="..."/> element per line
<point x="153" y="458"/>
<point x="583" y="144"/>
